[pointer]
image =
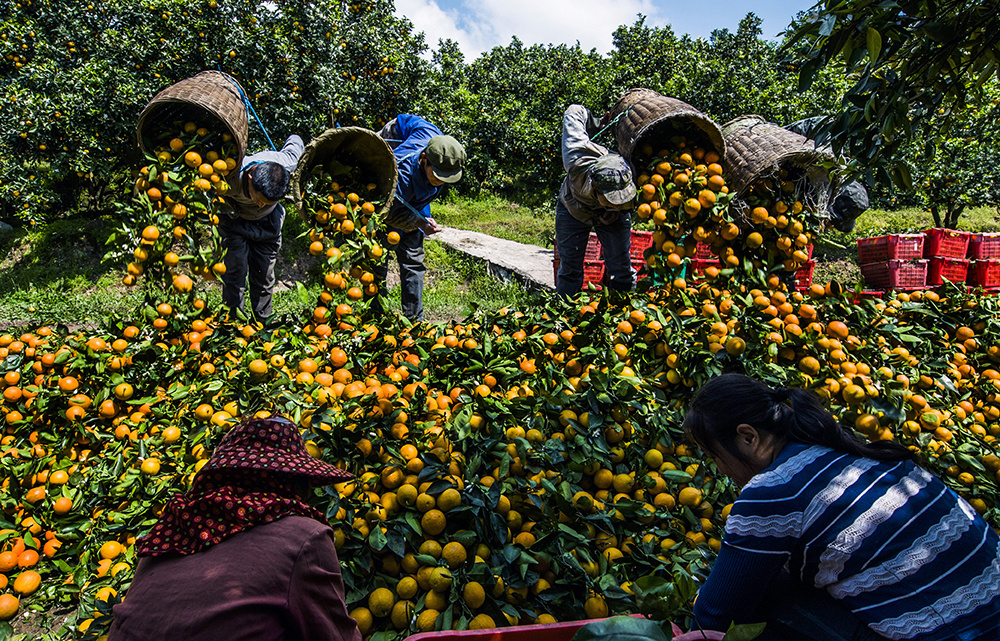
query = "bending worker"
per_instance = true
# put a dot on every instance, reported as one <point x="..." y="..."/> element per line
<point x="426" y="160"/>
<point x="597" y="193"/>
<point x="834" y="538"/>
<point x="251" y="234"/>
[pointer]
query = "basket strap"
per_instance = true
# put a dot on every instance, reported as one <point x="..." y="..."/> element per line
<point x="250" y="109"/>
<point x="613" y="122"/>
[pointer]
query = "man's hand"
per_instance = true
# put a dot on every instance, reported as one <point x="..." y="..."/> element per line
<point x="429" y="226"/>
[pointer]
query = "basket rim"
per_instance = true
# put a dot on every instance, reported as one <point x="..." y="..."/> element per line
<point x="233" y="87"/>
<point x="296" y="187"/>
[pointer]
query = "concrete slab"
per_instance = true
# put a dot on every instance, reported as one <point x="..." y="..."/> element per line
<point x="505" y="259"/>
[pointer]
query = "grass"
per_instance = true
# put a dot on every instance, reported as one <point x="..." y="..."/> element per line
<point x="500" y="218"/>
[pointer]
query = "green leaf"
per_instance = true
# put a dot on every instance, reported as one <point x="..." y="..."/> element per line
<point x="874" y="39"/>
<point x="744" y="631"/>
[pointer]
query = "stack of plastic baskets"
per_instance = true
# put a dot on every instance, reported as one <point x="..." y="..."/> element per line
<point x="893" y="262"/>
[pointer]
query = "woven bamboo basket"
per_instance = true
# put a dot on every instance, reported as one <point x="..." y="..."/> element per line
<point x="203" y="97"/>
<point x="654" y="118"/>
<point x="757" y="149"/>
<point x="354" y="147"/>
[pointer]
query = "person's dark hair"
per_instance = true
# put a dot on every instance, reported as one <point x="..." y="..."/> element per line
<point x="728" y="401"/>
<point x="271" y="180"/>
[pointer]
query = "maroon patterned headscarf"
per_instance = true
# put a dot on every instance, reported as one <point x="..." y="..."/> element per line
<point x="250" y="480"/>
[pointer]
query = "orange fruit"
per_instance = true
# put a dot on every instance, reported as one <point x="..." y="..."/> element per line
<point x="27" y="582"/>
<point x="8" y="606"/>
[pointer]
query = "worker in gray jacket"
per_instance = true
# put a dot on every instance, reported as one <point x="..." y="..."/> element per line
<point x="251" y="233"/>
<point x="597" y="194"/>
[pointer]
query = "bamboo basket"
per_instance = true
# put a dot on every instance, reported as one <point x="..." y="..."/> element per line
<point x="355" y="147"/>
<point x="757" y="149"/>
<point x="654" y="118"/>
<point x="207" y="96"/>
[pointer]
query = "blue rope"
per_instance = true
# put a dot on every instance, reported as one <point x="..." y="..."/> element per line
<point x="250" y="109"/>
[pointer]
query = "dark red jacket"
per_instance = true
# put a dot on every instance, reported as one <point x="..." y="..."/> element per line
<point x="276" y="581"/>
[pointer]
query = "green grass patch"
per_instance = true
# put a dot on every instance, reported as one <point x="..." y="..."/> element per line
<point x="54" y="274"/>
<point x="497" y="217"/>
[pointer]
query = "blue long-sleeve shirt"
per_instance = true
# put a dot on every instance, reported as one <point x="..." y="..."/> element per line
<point x="888" y="540"/>
<point x="408" y="136"/>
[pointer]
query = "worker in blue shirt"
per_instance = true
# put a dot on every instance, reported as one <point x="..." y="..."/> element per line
<point x="426" y="160"/>
<point x="251" y="233"/>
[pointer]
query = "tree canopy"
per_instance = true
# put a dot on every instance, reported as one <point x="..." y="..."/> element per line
<point x="912" y="63"/>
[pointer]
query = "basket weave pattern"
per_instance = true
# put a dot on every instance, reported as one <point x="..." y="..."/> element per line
<point x="757" y="149"/>
<point x="653" y="118"/>
<point x="211" y="92"/>
<point x="355" y="147"/>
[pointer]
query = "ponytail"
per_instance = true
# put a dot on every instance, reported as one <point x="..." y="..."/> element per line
<point x="793" y="415"/>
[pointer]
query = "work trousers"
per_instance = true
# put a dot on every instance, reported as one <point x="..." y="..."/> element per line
<point x="410" y="256"/>
<point x="571" y="240"/>
<point x="251" y="252"/>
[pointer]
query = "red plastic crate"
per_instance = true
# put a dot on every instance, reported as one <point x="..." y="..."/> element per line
<point x="983" y="246"/>
<point x="593" y="271"/>
<point x="954" y="269"/>
<point x="985" y="273"/>
<point x="867" y="294"/>
<point x="896" y="274"/>
<point x="804" y="275"/>
<point x="637" y="266"/>
<point x="593" y="251"/>
<point x="946" y="243"/>
<point x="890" y="247"/>
<point x="703" y="251"/>
<point x="696" y="268"/>
<point x="641" y="241"/>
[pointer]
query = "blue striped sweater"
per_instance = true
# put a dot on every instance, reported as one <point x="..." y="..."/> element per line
<point x="888" y="540"/>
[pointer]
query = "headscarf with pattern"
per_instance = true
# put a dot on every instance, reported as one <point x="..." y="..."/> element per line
<point x="231" y="494"/>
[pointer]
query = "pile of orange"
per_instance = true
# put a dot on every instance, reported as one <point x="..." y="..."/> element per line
<point x="175" y="209"/>
<point x="522" y="466"/>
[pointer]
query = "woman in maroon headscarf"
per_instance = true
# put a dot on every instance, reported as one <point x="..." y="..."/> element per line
<point x="241" y="555"/>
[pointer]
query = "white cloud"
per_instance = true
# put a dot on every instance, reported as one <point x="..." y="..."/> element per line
<point x="478" y="26"/>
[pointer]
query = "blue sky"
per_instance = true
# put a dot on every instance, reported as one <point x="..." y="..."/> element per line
<point x="478" y="25"/>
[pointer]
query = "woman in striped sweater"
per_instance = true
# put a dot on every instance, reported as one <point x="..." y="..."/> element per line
<point x="824" y="514"/>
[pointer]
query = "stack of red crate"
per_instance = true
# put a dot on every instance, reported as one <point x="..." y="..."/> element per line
<point x="641" y="241"/>
<point x="984" y="250"/>
<point x="893" y="262"/>
<point x="593" y="261"/>
<point x="703" y="258"/>
<point x="946" y="251"/>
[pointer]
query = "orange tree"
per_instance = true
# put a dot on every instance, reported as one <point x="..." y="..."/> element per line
<point x="958" y="169"/>
<point x="76" y="75"/>
<point x="507" y="106"/>
<point x="909" y="61"/>
<point x="726" y="75"/>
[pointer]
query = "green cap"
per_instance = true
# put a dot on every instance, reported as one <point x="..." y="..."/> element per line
<point x="447" y="158"/>
<point x="612" y="176"/>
